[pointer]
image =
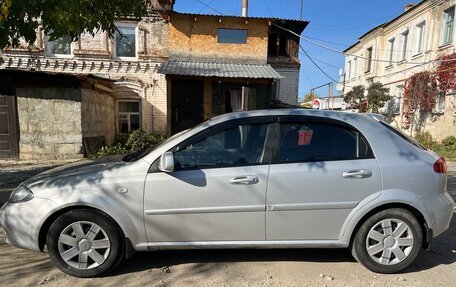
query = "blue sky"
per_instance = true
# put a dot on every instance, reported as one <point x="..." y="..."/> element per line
<point x="339" y="23"/>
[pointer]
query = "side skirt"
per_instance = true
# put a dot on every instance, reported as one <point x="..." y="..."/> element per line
<point x="241" y="244"/>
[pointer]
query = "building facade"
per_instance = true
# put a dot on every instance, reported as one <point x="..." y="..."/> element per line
<point x="167" y="72"/>
<point x="408" y="44"/>
<point x="130" y="61"/>
<point x="229" y="63"/>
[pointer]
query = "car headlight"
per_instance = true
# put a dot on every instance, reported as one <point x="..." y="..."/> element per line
<point x="20" y="194"/>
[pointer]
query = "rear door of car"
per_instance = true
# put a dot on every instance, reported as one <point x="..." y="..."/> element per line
<point x="321" y="169"/>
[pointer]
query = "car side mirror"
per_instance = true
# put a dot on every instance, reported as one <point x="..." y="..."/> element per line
<point x="166" y="163"/>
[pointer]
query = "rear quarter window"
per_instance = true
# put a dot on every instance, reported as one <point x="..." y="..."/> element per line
<point x="402" y="135"/>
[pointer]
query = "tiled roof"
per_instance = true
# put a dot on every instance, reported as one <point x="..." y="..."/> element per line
<point x="221" y="70"/>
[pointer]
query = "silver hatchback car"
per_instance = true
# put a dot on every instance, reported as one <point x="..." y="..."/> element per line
<point x="262" y="179"/>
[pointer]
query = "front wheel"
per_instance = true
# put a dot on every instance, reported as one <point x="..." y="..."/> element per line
<point x="85" y="243"/>
<point x="388" y="241"/>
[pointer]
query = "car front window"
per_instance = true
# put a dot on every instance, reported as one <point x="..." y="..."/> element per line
<point x="233" y="146"/>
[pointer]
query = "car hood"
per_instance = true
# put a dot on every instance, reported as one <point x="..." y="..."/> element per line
<point x="75" y="173"/>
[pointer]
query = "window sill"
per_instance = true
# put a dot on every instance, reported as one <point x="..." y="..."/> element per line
<point x="445" y="46"/>
<point x="416" y="56"/>
<point x="438" y="113"/>
<point x="389" y="67"/>
<point x="401" y="62"/>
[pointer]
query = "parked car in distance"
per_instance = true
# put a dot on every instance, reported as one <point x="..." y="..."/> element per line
<point x="289" y="178"/>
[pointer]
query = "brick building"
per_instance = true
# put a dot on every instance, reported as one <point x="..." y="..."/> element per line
<point x="229" y="63"/>
<point x="130" y="61"/>
<point x="167" y="72"/>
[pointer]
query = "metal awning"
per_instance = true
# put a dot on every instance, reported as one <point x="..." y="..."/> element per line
<point x="221" y="70"/>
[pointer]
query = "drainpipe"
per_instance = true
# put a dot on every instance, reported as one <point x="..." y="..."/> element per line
<point x="245" y="8"/>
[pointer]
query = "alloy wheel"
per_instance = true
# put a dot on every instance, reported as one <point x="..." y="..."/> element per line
<point x="389" y="241"/>
<point x="84" y="245"/>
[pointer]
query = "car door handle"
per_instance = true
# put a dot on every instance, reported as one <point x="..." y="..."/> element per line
<point x="245" y="180"/>
<point x="363" y="173"/>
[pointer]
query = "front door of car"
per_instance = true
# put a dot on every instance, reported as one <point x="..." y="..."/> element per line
<point x="217" y="191"/>
<point x="320" y="171"/>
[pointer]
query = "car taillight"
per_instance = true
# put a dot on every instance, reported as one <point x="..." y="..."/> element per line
<point x="440" y="166"/>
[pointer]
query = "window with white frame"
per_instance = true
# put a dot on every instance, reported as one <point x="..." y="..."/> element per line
<point x="368" y="66"/>
<point x="391" y="51"/>
<point x="404" y="36"/>
<point x="349" y="63"/>
<point x="439" y="103"/>
<point x="397" y="100"/>
<point x="128" y="115"/>
<point x="448" y="26"/>
<point x="420" y="30"/>
<point x="59" y="47"/>
<point x="125" y="41"/>
<point x="355" y="60"/>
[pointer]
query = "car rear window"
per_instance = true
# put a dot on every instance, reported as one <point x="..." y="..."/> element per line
<point x="404" y="136"/>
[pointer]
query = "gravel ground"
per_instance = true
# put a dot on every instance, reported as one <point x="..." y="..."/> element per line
<point x="305" y="267"/>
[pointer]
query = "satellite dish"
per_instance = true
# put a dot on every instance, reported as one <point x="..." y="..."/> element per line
<point x="339" y="87"/>
<point x="341" y="72"/>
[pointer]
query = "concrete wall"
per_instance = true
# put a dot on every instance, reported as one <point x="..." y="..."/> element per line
<point x="98" y="115"/>
<point x="194" y="38"/>
<point x="49" y="123"/>
<point x="93" y="55"/>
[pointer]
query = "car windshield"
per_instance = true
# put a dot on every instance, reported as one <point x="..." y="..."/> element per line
<point x="134" y="156"/>
<point x="404" y="136"/>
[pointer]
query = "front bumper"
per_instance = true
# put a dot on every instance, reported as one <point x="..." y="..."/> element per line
<point x="438" y="208"/>
<point x="22" y="221"/>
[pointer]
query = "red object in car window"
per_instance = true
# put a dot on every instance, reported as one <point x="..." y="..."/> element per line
<point x="305" y="137"/>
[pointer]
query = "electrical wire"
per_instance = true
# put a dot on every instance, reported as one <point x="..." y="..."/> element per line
<point x="210" y="7"/>
<point x="202" y="9"/>
<point x="357" y="56"/>
<point x="316" y="65"/>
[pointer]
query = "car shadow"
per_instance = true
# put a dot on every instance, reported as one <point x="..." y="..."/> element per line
<point x="441" y="253"/>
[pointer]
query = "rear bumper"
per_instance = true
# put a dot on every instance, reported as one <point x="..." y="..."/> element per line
<point x="22" y="221"/>
<point x="438" y="209"/>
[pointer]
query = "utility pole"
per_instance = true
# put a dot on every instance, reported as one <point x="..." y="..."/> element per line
<point x="301" y="9"/>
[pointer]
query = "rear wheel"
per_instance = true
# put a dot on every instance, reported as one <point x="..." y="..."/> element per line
<point x="85" y="243"/>
<point x="388" y="241"/>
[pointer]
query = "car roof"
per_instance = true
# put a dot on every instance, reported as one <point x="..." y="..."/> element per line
<point x="348" y="117"/>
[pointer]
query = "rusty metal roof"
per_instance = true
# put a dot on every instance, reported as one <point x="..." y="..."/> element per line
<point x="221" y="70"/>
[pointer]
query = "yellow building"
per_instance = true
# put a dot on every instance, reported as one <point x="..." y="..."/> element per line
<point x="392" y="52"/>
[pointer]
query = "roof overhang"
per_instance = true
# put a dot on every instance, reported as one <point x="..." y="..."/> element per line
<point x="219" y="70"/>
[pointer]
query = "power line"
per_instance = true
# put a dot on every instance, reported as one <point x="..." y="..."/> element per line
<point x="357" y="56"/>
<point x="267" y="8"/>
<point x="316" y="65"/>
<point x="213" y="9"/>
<point x="202" y="9"/>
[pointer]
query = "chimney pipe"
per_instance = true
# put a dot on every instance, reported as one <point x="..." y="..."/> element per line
<point x="245" y="8"/>
<point x="409" y="6"/>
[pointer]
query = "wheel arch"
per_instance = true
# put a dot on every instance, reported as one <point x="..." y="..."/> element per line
<point x="414" y="211"/>
<point x="44" y="229"/>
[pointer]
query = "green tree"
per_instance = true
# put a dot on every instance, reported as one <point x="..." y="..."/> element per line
<point x="310" y="97"/>
<point x="356" y="99"/>
<point x="377" y="96"/>
<point x="58" y="18"/>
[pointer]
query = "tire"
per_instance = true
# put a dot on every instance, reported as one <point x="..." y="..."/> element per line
<point x="85" y="243"/>
<point x="389" y="241"/>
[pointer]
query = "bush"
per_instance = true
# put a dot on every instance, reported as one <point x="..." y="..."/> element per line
<point x="426" y="140"/>
<point x="449" y="141"/>
<point x="447" y="148"/>
<point x="131" y="142"/>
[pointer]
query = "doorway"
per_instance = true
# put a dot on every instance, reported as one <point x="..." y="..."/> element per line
<point x="8" y="127"/>
<point x="187" y="104"/>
